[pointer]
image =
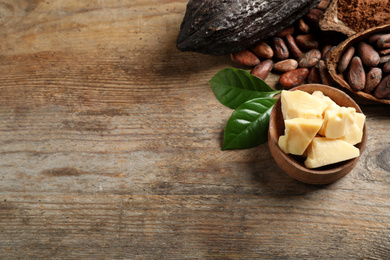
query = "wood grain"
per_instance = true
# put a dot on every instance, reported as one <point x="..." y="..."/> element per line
<point x="110" y="149"/>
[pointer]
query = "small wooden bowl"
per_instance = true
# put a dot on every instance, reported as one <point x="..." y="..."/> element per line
<point x="334" y="56"/>
<point x="294" y="165"/>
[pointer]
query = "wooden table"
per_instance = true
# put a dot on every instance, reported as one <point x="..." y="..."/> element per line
<point x="111" y="149"/>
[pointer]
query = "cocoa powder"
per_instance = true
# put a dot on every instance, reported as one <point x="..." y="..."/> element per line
<point x="361" y="15"/>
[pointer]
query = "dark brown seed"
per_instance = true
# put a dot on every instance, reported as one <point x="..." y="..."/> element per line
<point x="384" y="41"/>
<point x="286" y="65"/>
<point x="374" y="77"/>
<point x="307" y="41"/>
<point x="293" y="78"/>
<point x="263" y="50"/>
<point x="386" y="67"/>
<point x="323" y="4"/>
<point x="313" y="16"/>
<point x="263" y="69"/>
<point x="281" y="50"/>
<point x="285" y="31"/>
<point x="356" y="75"/>
<point x="370" y="57"/>
<point x="325" y="50"/>
<point x="245" y="58"/>
<point x="310" y="59"/>
<point x="346" y="59"/>
<point x="374" y="38"/>
<point x="384" y="59"/>
<point x="384" y="52"/>
<point x="314" y="76"/>
<point x="303" y="26"/>
<point x="383" y="89"/>
<point x="324" y="73"/>
<point x="293" y="47"/>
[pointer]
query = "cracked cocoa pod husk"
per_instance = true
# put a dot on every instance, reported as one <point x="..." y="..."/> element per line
<point x="219" y="27"/>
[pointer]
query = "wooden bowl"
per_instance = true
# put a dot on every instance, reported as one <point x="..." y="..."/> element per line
<point x="294" y="165"/>
<point x="334" y="56"/>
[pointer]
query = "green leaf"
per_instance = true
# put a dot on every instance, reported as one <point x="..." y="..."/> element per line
<point x="232" y="87"/>
<point x="248" y="125"/>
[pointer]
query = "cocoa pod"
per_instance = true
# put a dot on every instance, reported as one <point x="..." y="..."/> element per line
<point x="346" y="59"/>
<point x="293" y="78"/>
<point x="373" y="78"/>
<point x="383" y="89"/>
<point x="383" y="41"/>
<point x="286" y="65"/>
<point x="313" y="16"/>
<point x="303" y="26"/>
<point x="263" y="50"/>
<point x="310" y="59"/>
<point x="263" y="69"/>
<point x="307" y="41"/>
<point x="285" y="31"/>
<point x="314" y="76"/>
<point x="356" y="75"/>
<point x="324" y="73"/>
<point x="323" y="4"/>
<point x="370" y="57"/>
<point x="292" y="46"/>
<point x="386" y="67"/>
<point x="245" y="58"/>
<point x="281" y="50"/>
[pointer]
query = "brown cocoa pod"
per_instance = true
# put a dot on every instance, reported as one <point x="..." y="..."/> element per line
<point x="324" y="73"/>
<point x="356" y="76"/>
<point x="263" y="50"/>
<point x="285" y="31"/>
<point x="281" y="50"/>
<point x="245" y="58"/>
<point x="292" y="46"/>
<point x="386" y="67"/>
<point x="307" y="41"/>
<point x="325" y="50"/>
<point x="373" y="78"/>
<point x="370" y="57"/>
<point x="314" y="76"/>
<point x="383" y="89"/>
<point x="383" y="41"/>
<point x="303" y="26"/>
<point x="310" y="59"/>
<point x="384" y="59"/>
<point x="263" y="69"/>
<point x="286" y="65"/>
<point x="384" y="52"/>
<point x="323" y="4"/>
<point x="293" y="78"/>
<point x="346" y="59"/>
<point x="313" y="16"/>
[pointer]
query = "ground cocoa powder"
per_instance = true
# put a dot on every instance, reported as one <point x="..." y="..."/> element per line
<point x="361" y="15"/>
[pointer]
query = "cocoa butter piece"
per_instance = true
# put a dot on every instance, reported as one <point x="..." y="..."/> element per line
<point x="356" y="76"/>
<point x="281" y="50"/>
<point x="383" y="89"/>
<point x="293" y="78"/>
<point x="370" y="57"/>
<point x="286" y="65"/>
<point x="245" y="58"/>
<point x="310" y="59"/>
<point x="263" y="69"/>
<point x="373" y="78"/>
<point x="346" y="59"/>
<point x="263" y="50"/>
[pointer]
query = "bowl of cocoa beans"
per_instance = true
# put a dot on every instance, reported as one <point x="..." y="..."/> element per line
<point x="361" y="64"/>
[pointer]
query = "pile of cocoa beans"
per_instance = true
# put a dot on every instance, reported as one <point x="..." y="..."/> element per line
<point x="366" y="66"/>
<point x="296" y="53"/>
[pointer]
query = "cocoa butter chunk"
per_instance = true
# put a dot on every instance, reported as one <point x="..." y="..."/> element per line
<point x="356" y="74"/>
<point x="223" y="27"/>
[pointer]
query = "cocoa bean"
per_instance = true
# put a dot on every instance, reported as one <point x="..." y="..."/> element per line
<point x="245" y="58"/>
<point x="310" y="59"/>
<point x="307" y="41"/>
<point x="383" y="89"/>
<point x="313" y="16"/>
<point x="386" y="67"/>
<point x="384" y="52"/>
<point x="281" y="50"/>
<point x="303" y="26"/>
<point x="384" y="41"/>
<point x="373" y="78"/>
<point x="285" y="31"/>
<point x="323" y="4"/>
<point x="293" y="78"/>
<point x="263" y="50"/>
<point x="356" y="75"/>
<point x="314" y="76"/>
<point x="370" y="57"/>
<point x="324" y="73"/>
<point x="263" y="69"/>
<point x="293" y="47"/>
<point x="374" y="38"/>
<point x="346" y="59"/>
<point x="384" y="59"/>
<point x="325" y="50"/>
<point x="286" y="65"/>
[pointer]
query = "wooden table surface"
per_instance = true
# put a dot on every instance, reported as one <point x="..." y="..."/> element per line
<point x="110" y="148"/>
